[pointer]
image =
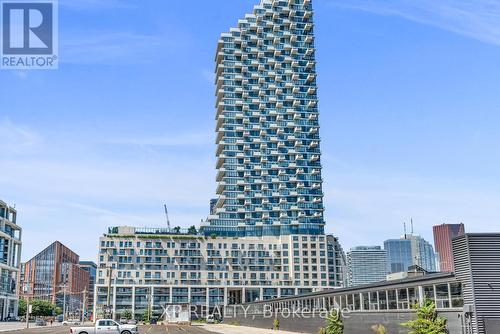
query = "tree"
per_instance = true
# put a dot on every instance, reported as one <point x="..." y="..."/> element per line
<point x="192" y="230"/>
<point x="22" y="308"/>
<point x="428" y="321"/>
<point x="334" y="323"/>
<point x="127" y="315"/>
<point x="43" y="308"/>
<point x="177" y="230"/>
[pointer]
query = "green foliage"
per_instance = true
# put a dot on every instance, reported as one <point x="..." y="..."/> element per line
<point x="177" y="229"/>
<point x="322" y="330"/>
<point x="146" y="317"/>
<point x="334" y="323"/>
<point x="192" y="230"/>
<point x="22" y="308"/>
<point x="428" y="321"/>
<point x="379" y="329"/>
<point x="127" y="315"/>
<point x="276" y="324"/>
<point x="43" y="308"/>
<point x="213" y="235"/>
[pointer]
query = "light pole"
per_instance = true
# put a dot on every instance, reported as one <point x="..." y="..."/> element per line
<point x="25" y="289"/>
<point x="108" y="301"/>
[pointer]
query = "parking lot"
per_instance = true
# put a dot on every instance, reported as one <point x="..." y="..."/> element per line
<point x="171" y="329"/>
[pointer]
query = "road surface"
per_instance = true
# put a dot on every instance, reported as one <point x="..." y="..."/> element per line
<point x="171" y="329"/>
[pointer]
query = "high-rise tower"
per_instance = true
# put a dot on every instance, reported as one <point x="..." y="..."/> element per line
<point x="268" y="147"/>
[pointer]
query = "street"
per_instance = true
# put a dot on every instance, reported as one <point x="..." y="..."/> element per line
<point x="171" y="329"/>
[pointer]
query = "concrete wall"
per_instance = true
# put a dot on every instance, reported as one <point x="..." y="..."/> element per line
<point x="357" y="323"/>
<point x="492" y="326"/>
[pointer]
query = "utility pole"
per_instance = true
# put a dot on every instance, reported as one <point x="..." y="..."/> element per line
<point x="26" y="292"/>
<point x="27" y="312"/>
<point x="64" y="302"/>
<point x="64" y="292"/>
<point x="84" y="305"/>
<point x="108" y="300"/>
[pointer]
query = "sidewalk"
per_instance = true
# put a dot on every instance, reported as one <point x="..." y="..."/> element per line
<point x="229" y="329"/>
<point x="15" y="326"/>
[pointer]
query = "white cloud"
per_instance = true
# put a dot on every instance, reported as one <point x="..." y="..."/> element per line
<point x="478" y="19"/>
<point x="15" y="138"/>
<point x="71" y="189"/>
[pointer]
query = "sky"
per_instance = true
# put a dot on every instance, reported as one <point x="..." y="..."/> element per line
<point x="409" y="100"/>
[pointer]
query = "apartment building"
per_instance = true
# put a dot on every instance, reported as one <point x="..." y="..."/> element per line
<point x="150" y="268"/>
<point x="268" y="146"/>
<point x="10" y="260"/>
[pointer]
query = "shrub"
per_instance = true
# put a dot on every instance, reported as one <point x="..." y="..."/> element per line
<point x="427" y="320"/>
<point x="334" y="323"/>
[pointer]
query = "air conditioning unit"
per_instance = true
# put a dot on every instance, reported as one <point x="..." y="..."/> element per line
<point x="468" y="308"/>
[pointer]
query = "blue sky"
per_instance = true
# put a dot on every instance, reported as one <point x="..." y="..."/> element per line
<point x="409" y="101"/>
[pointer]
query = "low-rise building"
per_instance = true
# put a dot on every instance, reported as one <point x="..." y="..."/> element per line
<point x="469" y="299"/>
<point x="146" y="268"/>
<point x="10" y="260"/>
<point x="54" y="275"/>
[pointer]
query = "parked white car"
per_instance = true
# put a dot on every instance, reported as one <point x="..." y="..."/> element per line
<point x="71" y="322"/>
<point x="106" y="326"/>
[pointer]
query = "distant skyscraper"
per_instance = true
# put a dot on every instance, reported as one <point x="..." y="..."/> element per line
<point x="443" y="235"/>
<point x="268" y="144"/>
<point x="410" y="249"/>
<point x="399" y="255"/>
<point x="366" y="264"/>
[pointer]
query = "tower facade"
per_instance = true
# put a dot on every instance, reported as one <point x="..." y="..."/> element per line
<point x="268" y="145"/>
<point x="443" y="236"/>
<point x="410" y="249"/>
<point x="366" y="264"/>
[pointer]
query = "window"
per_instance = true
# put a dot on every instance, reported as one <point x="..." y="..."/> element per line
<point x="442" y="296"/>
<point x="456" y="295"/>
<point x="403" y="299"/>
<point x="374" y="301"/>
<point x="357" y="302"/>
<point x="382" y="296"/>
<point x="366" y="301"/>
<point x="429" y="292"/>
<point x="391" y="296"/>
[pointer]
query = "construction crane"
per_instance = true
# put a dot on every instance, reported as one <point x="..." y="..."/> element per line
<point x="166" y="214"/>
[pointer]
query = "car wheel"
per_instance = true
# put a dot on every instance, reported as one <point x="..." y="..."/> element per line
<point x="126" y="332"/>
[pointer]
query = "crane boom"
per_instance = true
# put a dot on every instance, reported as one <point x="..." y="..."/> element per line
<point x="166" y="214"/>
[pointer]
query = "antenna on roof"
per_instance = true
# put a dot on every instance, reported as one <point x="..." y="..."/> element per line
<point x="411" y="225"/>
<point x="166" y="214"/>
<point x="404" y="223"/>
